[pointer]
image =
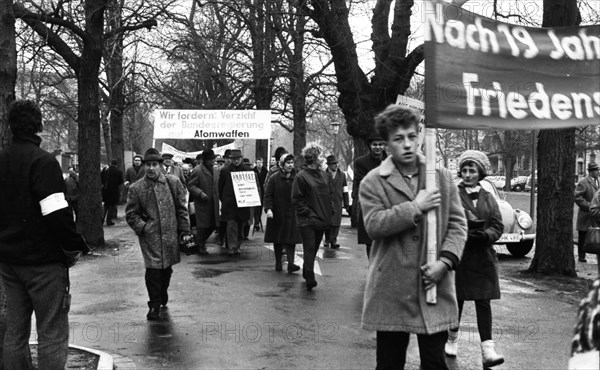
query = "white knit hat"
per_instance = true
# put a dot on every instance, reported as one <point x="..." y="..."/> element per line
<point x="477" y="157"/>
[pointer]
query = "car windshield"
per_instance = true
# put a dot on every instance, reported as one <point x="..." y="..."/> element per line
<point x="487" y="186"/>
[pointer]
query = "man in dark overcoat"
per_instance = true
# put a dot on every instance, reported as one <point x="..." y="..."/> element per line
<point x="112" y="178"/>
<point x="203" y="189"/>
<point x="584" y="193"/>
<point x="157" y="212"/>
<point x="340" y="199"/>
<point x="362" y="166"/>
<point x="235" y="216"/>
<point x="135" y="172"/>
<point x="261" y="174"/>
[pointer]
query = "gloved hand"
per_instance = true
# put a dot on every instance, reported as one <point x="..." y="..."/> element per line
<point x="269" y="213"/>
<point x="478" y="236"/>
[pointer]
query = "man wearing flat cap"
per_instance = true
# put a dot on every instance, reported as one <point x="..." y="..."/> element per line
<point x="171" y="169"/>
<point x="362" y="166"/>
<point x="340" y="199"/>
<point x="203" y="187"/>
<point x="584" y="193"/>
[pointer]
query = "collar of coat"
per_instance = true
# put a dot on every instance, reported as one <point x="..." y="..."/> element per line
<point x="388" y="169"/>
<point x="161" y="178"/>
<point x="29" y="138"/>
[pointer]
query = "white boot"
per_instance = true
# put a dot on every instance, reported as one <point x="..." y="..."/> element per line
<point x="489" y="355"/>
<point x="451" y="347"/>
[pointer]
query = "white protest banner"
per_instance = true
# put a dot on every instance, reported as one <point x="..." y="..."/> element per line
<point x="178" y="155"/>
<point x="212" y="124"/>
<point x="419" y="106"/>
<point x="484" y="74"/>
<point x="245" y="188"/>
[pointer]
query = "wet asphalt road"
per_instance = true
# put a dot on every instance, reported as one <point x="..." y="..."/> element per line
<point x="239" y="313"/>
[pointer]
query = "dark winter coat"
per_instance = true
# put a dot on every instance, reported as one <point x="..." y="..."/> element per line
<point x="362" y="166"/>
<point x="176" y="171"/>
<point x="477" y="272"/>
<point x="203" y="181"/>
<point x="112" y="178"/>
<point x="312" y="197"/>
<point x="28" y="175"/>
<point x="157" y="211"/>
<point x="133" y="174"/>
<point x="584" y="193"/>
<point x="282" y="228"/>
<point x="229" y="207"/>
<point x="340" y="195"/>
<point x="394" y="297"/>
<point x="72" y="188"/>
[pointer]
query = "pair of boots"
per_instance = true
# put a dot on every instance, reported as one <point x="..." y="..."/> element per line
<point x="488" y="353"/>
<point x="290" y="252"/>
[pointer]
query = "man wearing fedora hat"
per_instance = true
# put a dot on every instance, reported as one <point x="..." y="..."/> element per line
<point x="171" y="169"/>
<point x="203" y="190"/>
<point x="157" y="211"/>
<point x="236" y="217"/>
<point x="362" y="166"/>
<point x="340" y="199"/>
<point x="584" y="193"/>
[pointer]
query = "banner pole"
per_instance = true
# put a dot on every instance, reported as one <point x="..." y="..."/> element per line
<point x="431" y="294"/>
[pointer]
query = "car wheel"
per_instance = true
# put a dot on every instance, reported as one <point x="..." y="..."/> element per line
<point x="520" y="249"/>
<point x="518" y="187"/>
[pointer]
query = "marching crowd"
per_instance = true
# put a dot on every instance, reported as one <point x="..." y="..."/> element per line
<point x="302" y="204"/>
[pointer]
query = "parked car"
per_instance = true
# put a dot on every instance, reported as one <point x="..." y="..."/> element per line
<point x="518" y="183"/>
<point x="528" y="183"/>
<point x="519" y="230"/>
<point x="498" y="181"/>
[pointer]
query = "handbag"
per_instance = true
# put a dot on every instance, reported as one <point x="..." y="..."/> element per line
<point x="592" y="241"/>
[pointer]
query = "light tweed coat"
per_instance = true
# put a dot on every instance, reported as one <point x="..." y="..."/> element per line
<point x="394" y="294"/>
<point x="168" y="217"/>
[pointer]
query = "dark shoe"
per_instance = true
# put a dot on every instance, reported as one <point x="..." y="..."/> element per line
<point x="293" y="268"/>
<point x="220" y="242"/>
<point x="164" y="307"/>
<point x="335" y="246"/>
<point x="310" y="285"/>
<point x="582" y="260"/>
<point x="237" y="252"/>
<point x="256" y="228"/>
<point x="325" y="245"/>
<point x="153" y="314"/>
<point x="110" y="223"/>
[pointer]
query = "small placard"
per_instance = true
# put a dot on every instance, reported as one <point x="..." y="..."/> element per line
<point x="245" y="188"/>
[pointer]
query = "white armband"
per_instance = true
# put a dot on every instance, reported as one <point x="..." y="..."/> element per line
<point x="53" y="203"/>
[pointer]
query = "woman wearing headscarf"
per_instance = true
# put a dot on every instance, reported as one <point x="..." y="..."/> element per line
<point x="282" y="229"/>
<point x="312" y="197"/>
<point x="477" y="272"/>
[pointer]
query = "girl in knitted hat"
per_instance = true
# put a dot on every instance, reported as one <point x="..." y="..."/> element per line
<point x="477" y="272"/>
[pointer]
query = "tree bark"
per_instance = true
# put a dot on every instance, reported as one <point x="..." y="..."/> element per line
<point x="8" y="80"/>
<point x="88" y="118"/>
<point x="556" y="162"/>
<point x="115" y="79"/>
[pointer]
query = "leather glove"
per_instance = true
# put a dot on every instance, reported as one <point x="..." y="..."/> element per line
<point x="478" y="236"/>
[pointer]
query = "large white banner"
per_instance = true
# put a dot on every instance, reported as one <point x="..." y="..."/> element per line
<point x="212" y="124"/>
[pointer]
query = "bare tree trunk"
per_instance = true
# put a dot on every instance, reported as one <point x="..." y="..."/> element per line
<point x="115" y="78"/>
<point x="8" y="79"/>
<point x="88" y="118"/>
<point x="556" y="162"/>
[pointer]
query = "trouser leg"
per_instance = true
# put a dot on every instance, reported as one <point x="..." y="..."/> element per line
<point x="483" y="309"/>
<point x="333" y="234"/>
<point x="290" y="252"/>
<point x="461" y="304"/>
<point x="431" y="350"/>
<point x="311" y="239"/>
<point x="165" y="282"/>
<point x="153" y="285"/>
<point x="368" y="248"/>
<point x="391" y="350"/>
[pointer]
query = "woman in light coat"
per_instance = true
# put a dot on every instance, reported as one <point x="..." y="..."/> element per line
<point x="156" y="210"/>
<point x="394" y="203"/>
<point x="477" y="272"/>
